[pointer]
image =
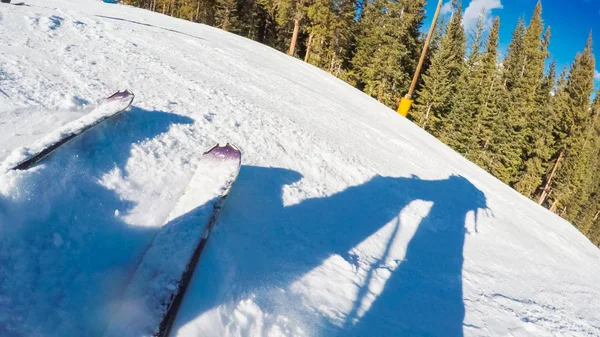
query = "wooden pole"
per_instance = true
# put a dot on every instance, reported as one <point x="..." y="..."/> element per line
<point x="406" y="102"/>
<point x="424" y="52"/>
<point x="294" y="37"/>
<point x="307" y="56"/>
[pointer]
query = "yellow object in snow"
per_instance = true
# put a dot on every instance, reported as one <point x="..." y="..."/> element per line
<point x="404" y="107"/>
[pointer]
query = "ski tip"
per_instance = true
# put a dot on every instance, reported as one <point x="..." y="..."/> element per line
<point x="224" y="151"/>
<point x="121" y="95"/>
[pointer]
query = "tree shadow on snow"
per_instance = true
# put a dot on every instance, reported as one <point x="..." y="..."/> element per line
<point x="63" y="246"/>
<point x="266" y="241"/>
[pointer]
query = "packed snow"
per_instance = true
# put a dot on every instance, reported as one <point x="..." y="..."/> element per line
<point x="345" y="220"/>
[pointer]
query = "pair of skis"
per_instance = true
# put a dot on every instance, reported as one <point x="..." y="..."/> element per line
<point x="159" y="283"/>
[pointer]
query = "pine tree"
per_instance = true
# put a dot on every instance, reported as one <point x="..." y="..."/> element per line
<point x="434" y="47"/>
<point x="524" y="117"/>
<point x="560" y="103"/>
<point x="283" y="23"/>
<point x="589" y="214"/>
<point x="458" y="130"/>
<point x="251" y="19"/>
<point x="539" y="132"/>
<point x="587" y="208"/>
<point x="521" y="109"/>
<point x="512" y="64"/>
<point x="524" y="67"/>
<point x="388" y="47"/>
<point x="434" y="100"/>
<point x="226" y="14"/>
<point x="294" y="11"/>
<point x="582" y="176"/>
<point x="198" y="10"/>
<point x="594" y="233"/>
<point x="489" y="100"/>
<point x="572" y="127"/>
<point x="330" y="33"/>
<point x="268" y="27"/>
<point x="320" y="29"/>
<point x="534" y="54"/>
<point x="343" y="37"/>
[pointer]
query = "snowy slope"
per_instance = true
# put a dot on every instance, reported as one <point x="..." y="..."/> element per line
<point x="346" y="219"/>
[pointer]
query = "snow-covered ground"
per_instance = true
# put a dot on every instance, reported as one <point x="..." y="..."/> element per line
<point x="346" y="219"/>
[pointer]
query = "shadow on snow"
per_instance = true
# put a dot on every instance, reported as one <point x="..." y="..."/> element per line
<point x="62" y="245"/>
<point x="259" y="245"/>
<point x="270" y="245"/>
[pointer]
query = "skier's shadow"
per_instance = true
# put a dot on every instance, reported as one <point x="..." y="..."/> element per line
<point x="63" y="239"/>
<point x="261" y="245"/>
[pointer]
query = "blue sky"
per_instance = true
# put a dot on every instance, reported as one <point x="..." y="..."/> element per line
<point x="571" y="21"/>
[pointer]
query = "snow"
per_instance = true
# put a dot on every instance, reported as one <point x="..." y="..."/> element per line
<point x="345" y="220"/>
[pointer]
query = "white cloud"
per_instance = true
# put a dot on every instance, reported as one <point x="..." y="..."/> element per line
<point x="597" y="75"/>
<point x="474" y="10"/>
<point x="446" y="8"/>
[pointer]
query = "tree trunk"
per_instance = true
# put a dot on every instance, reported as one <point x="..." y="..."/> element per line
<point x="338" y="70"/>
<point x="332" y="63"/>
<point x="596" y="216"/>
<point x="562" y="213"/>
<point x="307" y="56"/>
<point x="338" y="67"/>
<point x="523" y="68"/>
<point x="554" y="205"/>
<point x="484" y="150"/>
<point x="549" y="182"/>
<point x="487" y="99"/>
<point x="261" y="32"/>
<point x="426" y="116"/>
<point x="294" y="37"/>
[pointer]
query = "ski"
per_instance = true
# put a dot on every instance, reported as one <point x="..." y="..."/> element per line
<point x="158" y="286"/>
<point x="26" y="157"/>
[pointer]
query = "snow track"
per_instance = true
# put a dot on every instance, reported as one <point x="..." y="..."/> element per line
<point x="346" y="219"/>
